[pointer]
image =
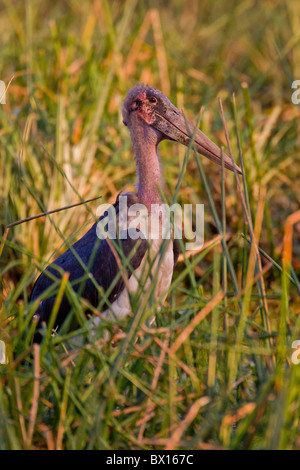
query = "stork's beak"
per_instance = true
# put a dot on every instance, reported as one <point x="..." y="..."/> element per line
<point x="174" y="126"/>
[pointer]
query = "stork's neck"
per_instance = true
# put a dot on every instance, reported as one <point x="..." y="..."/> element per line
<point x="145" y="143"/>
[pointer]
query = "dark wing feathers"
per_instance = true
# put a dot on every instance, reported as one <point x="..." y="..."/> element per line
<point x="104" y="268"/>
<point x="176" y="250"/>
<point x="100" y="261"/>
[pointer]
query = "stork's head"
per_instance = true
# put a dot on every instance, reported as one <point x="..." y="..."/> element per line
<point x="146" y="105"/>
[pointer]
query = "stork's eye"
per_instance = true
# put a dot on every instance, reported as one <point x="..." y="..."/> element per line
<point x="152" y="99"/>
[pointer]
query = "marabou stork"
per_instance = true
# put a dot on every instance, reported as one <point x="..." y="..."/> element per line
<point x="151" y="118"/>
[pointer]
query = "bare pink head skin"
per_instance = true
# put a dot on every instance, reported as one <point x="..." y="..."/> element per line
<point x="151" y="118"/>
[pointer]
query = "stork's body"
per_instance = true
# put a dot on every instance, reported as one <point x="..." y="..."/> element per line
<point x="150" y="117"/>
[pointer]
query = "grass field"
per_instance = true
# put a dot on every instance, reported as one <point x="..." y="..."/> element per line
<point x="216" y="370"/>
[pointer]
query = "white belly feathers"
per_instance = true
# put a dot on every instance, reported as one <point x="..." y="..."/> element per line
<point x="157" y="266"/>
<point x="161" y="272"/>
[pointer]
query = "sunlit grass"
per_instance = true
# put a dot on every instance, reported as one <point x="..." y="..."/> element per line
<point x="215" y="369"/>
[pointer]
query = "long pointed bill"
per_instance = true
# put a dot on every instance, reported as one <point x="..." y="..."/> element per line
<point x="175" y="127"/>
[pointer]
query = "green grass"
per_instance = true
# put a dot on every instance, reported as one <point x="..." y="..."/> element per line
<point x="214" y="371"/>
